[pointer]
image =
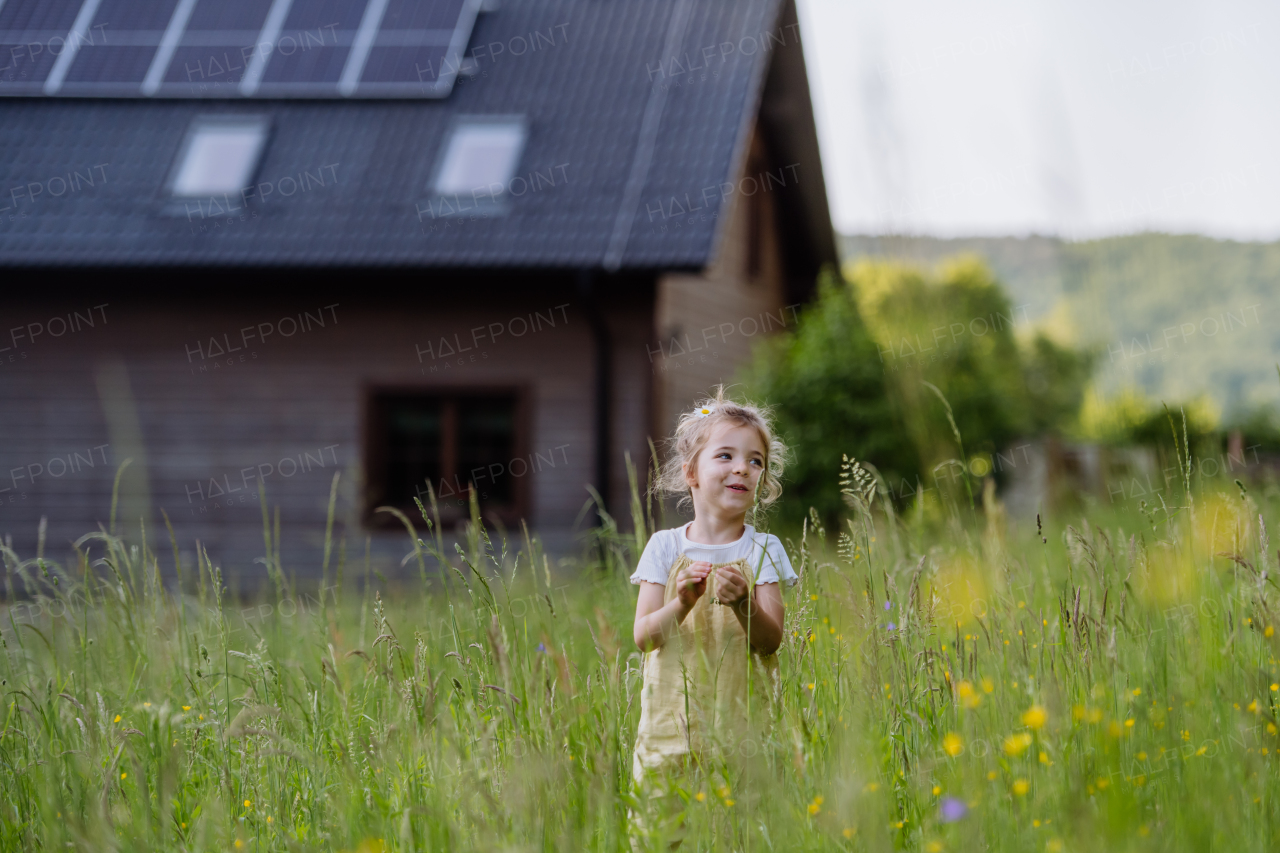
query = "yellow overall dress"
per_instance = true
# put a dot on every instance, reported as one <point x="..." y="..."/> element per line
<point x="694" y="700"/>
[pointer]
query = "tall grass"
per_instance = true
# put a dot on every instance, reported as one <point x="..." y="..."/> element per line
<point x="949" y="682"/>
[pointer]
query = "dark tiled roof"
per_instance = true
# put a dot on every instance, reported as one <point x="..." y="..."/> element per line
<point x="360" y="168"/>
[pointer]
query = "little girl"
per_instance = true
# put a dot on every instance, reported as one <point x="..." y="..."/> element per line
<point x="709" y="599"/>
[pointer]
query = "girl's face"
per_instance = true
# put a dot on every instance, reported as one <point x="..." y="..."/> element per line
<point x="724" y="475"/>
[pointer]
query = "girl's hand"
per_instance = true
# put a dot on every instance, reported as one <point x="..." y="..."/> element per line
<point x="691" y="583"/>
<point x="731" y="586"/>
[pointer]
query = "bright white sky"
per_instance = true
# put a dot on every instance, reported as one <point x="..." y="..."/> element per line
<point x="1072" y="117"/>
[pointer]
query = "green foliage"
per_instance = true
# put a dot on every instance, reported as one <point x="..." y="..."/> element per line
<point x="1259" y="428"/>
<point x="955" y="331"/>
<point x="830" y="395"/>
<point x="855" y="376"/>
<point x="1172" y="315"/>
<point x="1131" y="418"/>
<point x="1056" y="378"/>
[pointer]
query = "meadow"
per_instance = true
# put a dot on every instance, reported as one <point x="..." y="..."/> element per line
<point x="950" y="680"/>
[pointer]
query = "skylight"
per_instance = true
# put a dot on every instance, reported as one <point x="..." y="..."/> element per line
<point x="481" y="155"/>
<point x="220" y="156"/>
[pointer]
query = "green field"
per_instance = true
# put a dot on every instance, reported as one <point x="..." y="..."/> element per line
<point x="946" y="685"/>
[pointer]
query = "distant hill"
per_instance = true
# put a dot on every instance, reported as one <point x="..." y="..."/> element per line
<point x="1175" y="315"/>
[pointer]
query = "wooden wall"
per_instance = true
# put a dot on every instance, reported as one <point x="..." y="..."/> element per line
<point x="707" y="324"/>
<point x="145" y="382"/>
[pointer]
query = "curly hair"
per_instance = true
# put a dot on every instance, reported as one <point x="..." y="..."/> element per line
<point x="693" y="431"/>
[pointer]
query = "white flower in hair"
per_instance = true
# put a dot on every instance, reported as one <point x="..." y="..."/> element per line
<point x="704" y="411"/>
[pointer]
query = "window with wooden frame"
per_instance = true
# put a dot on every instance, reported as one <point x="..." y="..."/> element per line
<point x="452" y="439"/>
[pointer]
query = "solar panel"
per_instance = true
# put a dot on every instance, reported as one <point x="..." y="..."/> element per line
<point x="32" y="35"/>
<point x="233" y="48"/>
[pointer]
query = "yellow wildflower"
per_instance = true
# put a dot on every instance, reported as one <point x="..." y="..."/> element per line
<point x="953" y="744"/>
<point x="1021" y="786"/>
<point x="1034" y="717"/>
<point x="1016" y="744"/>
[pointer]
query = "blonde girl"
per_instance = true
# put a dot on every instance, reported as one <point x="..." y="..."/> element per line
<point x="710" y="614"/>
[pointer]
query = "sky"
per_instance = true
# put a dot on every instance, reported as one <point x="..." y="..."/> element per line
<point x="1079" y="119"/>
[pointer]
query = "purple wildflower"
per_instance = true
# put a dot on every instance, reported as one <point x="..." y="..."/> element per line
<point x="542" y="648"/>
<point x="892" y="627"/>
<point x="887" y="605"/>
<point x="951" y="809"/>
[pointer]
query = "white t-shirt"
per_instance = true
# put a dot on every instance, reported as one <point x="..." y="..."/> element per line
<point x="666" y="546"/>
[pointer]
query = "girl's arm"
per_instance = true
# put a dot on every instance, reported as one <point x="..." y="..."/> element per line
<point x="656" y="621"/>
<point x="762" y="618"/>
<point x="761" y="615"/>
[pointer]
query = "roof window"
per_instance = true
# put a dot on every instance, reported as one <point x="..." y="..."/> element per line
<point x="221" y="155"/>
<point x="481" y="156"/>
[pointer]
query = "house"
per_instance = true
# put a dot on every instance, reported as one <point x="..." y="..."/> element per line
<point x="249" y="244"/>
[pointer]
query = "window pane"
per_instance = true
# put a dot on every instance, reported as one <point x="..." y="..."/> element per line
<point x="219" y="158"/>
<point x="413" y="448"/>
<point x="486" y="445"/>
<point x="481" y="156"/>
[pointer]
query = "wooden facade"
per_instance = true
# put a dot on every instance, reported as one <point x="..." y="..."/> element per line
<point x="222" y="388"/>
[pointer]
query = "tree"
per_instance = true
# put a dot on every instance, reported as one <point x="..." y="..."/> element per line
<point x="956" y="332"/>
<point x="829" y="392"/>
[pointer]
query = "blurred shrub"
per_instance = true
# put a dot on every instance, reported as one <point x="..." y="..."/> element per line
<point x="1131" y="417"/>
<point x="955" y="331"/>
<point x="851" y="378"/>
<point x="1259" y="428"/>
<point x="830" y="394"/>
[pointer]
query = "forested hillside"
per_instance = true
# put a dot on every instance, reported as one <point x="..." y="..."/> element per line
<point x="1175" y="315"/>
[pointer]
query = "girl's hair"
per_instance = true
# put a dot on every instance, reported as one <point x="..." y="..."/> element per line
<point x="694" y="430"/>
